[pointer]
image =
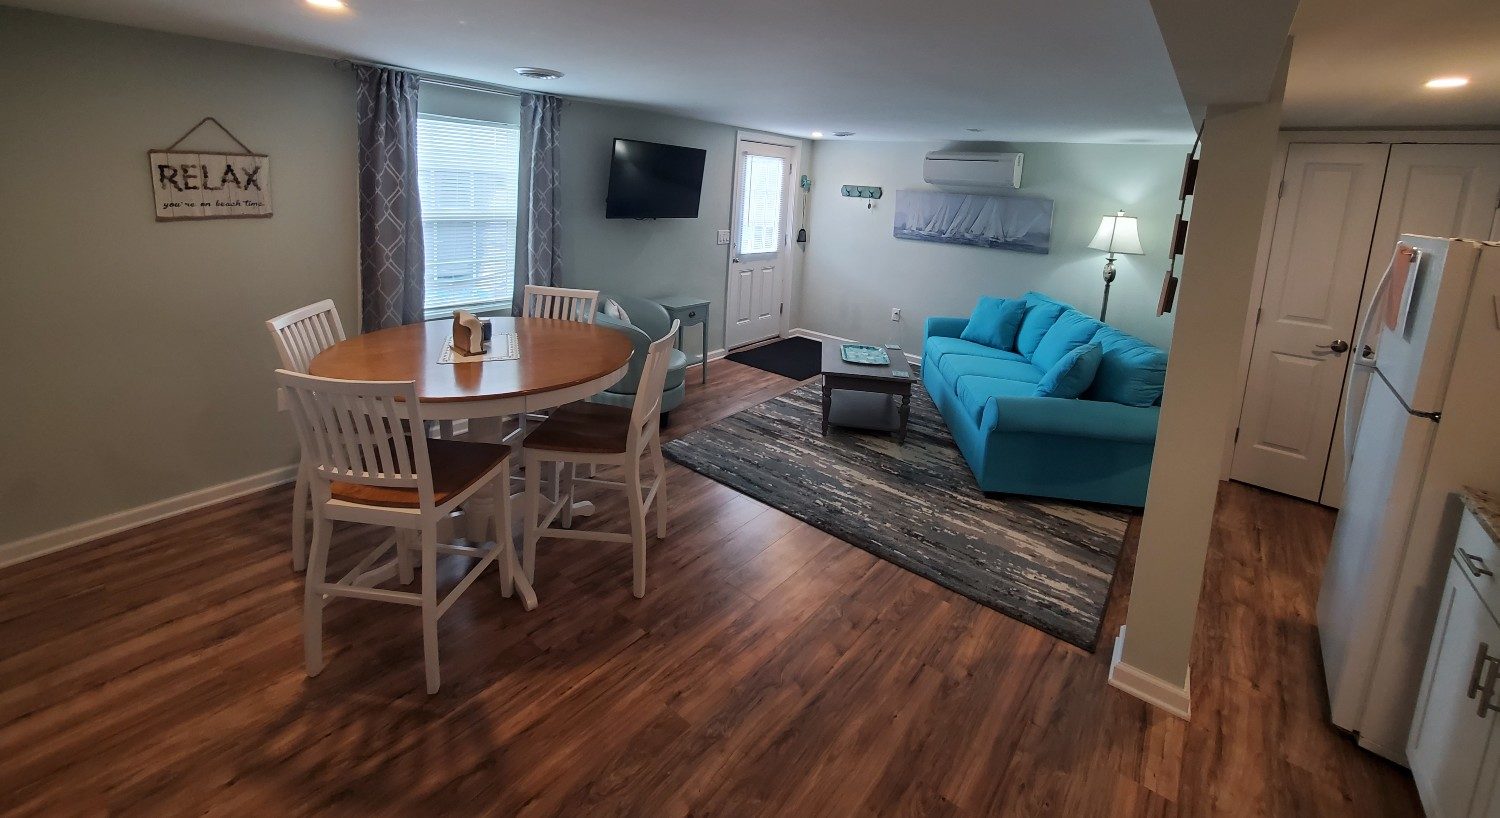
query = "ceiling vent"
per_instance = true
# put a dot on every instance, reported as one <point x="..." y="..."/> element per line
<point x="972" y="171"/>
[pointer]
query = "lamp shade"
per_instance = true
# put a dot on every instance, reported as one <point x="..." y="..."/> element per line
<point x="1118" y="234"/>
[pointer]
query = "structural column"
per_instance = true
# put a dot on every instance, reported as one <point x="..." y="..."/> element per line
<point x="1239" y="145"/>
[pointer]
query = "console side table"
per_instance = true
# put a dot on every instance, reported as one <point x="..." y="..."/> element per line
<point x="689" y="311"/>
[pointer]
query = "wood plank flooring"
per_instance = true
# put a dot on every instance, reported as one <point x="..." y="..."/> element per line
<point x="770" y="670"/>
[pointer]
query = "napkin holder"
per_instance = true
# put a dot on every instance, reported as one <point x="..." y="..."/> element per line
<point x="470" y="333"/>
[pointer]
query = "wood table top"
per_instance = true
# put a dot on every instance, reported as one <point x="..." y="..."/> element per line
<point x="555" y="355"/>
<point x="834" y="364"/>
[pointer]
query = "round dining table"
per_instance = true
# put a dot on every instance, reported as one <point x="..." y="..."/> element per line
<point x="559" y="362"/>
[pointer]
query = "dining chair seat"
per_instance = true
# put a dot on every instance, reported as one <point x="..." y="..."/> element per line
<point x="456" y="466"/>
<point x="583" y="427"/>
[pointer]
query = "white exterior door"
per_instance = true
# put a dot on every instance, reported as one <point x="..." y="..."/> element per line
<point x="1451" y="191"/>
<point x="758" y="242"/>
<point x="1320" y="248"/>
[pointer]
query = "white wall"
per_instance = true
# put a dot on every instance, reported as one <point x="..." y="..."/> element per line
<point x="137" y="363"/>
<point x="651" y="258"/>
<point x="855" y="270"/>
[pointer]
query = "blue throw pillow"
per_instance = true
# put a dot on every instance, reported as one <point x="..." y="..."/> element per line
<point x="995" y="322"/>
<point x="1071" y="374"/>
<point x="1041" y="313"/>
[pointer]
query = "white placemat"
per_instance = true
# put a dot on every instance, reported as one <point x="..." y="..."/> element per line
<point x="504" y="346"/>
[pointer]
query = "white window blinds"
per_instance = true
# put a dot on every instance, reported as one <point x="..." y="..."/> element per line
<point x="763" y="180"/>
<point x="467" y="174"/>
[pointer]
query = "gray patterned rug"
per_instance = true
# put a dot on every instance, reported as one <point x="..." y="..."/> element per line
<point x="1047" y="563"/>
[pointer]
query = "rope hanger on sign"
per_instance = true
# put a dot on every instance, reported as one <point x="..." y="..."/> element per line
<point x="220" y="126"/>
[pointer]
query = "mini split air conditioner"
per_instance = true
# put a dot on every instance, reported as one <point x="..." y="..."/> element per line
<point x="972" y="171"/>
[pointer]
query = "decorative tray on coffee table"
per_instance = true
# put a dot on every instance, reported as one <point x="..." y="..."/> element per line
<point x="864" y="354"/>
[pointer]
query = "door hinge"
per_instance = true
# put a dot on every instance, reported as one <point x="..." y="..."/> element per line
<point x="1258" y="311"/>
<point x="1236" y="434"/>
<point x="1281" y="189"/>
<point x="782" y="310"/>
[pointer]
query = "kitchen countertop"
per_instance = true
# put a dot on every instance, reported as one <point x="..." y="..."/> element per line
<point x="1485" y="508"/>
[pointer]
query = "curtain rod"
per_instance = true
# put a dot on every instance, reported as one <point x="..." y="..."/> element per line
<point x="436" y="79"/>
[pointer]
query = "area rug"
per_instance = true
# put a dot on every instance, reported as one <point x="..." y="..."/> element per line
<point x="1048" y="564"/>
<point x="796" y="358"/>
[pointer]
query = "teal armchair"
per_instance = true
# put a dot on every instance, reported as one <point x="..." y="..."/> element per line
<point x="648" y="322"/>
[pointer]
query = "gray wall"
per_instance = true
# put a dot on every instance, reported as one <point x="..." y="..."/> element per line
<point x="644" y="258"/>
<point x="137" y="361"/>
<point x="856" y="271"/>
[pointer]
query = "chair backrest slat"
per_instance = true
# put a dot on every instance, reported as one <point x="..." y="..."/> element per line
<point x="302" y="333"/>
<point x="643" y="415"/>
<point x="560" y="303"/>
<point x="352" y="431"/>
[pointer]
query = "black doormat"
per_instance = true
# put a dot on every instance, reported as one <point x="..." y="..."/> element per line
<point x="795" y="358"/>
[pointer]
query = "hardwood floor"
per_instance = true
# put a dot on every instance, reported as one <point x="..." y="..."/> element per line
<point x="770" y="670"/>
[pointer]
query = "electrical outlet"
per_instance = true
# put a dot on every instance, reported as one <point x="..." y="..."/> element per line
<point x="895" y="313"/>
<point x="723" y="237"/>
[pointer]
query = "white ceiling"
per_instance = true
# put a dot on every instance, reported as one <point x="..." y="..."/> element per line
<point x="1362" y="63"/>
<point x="1059" y="70"/>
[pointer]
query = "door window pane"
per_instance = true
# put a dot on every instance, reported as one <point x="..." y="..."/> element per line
<point x="763" y="179"/>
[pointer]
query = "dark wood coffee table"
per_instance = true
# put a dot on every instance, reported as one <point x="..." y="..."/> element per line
<point x="862" y="396"/>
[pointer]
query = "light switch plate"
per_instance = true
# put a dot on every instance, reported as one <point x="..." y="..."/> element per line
<point x="723" y="236"/>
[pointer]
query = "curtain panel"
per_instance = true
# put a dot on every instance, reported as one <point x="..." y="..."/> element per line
<point x="540" y="262"/>
<point x="390" y="210"/>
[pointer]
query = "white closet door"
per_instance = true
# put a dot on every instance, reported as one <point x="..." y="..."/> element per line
<point x="1319" y="249"/>
<point x="1434" y="190"/>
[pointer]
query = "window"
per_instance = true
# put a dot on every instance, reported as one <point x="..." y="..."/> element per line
<point x="467" y="174"/>
<point x="760" y="204"/>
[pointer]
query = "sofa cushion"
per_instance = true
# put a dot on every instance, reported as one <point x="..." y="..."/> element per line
<point x="975" y="390"/>
<point x="936" y="348"/>
<point x="1073" y="329"/>
<point x="1070" y="376"/>
<point x="1131" y="371"/>
<point x="1041" y="314"/>
<point x="954" y="367"/>
<point x="995" y="322"/>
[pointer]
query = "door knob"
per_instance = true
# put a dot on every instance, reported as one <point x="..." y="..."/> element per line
<point x="1338" y="347"/>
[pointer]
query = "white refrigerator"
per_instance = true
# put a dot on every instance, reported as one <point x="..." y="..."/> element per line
<point x="1428" y="424"/>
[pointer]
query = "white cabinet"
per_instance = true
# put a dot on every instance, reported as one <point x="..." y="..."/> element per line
<point x="1455" y="748"/>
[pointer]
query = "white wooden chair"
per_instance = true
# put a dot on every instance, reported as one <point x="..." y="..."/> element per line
<point x="299" y="336"/>
<point x="364" y="467"/>
<point x="600" y="435"/>
<point x="559" y="302"/>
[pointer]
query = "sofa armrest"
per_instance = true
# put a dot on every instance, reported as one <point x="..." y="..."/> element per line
<point x="1066" y="417"/>
<point x="945" y="326"/>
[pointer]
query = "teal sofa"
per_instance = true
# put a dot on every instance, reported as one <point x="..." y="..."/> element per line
<point x="648" y="322"/>
<point x="1095" y="448"/>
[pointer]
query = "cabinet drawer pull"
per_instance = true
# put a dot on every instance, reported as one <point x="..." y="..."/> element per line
<point x="1484" y="689"/>
<point x="1476" y="564"/>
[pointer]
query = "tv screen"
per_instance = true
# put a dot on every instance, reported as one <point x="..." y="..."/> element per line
<point x="648" y="180"/>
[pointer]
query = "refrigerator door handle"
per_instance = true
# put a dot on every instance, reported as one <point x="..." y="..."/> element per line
<point x="1367" y="353"/>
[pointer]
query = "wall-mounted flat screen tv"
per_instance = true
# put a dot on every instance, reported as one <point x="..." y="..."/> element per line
<point x="648" y="180"/>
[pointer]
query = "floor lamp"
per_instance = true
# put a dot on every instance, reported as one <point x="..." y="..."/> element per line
<point x="1117" y="234"/>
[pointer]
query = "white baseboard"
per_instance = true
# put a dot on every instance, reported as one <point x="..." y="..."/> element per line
<point x="1149" y="688"/>
<point x="912" y="360"/>
<point x="79" y="533"/>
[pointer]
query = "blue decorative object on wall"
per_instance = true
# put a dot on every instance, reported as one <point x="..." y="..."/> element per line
<point x="1019" y="223"/>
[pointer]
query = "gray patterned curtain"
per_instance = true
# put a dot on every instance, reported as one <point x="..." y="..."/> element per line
<point x="390" y="211"/>
<point x="539" y="260"/>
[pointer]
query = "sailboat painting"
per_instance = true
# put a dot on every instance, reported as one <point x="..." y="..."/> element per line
<point x="1019" y="223"/>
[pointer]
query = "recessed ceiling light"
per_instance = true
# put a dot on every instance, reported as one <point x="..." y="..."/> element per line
<point x="1447" y="82"/>
<point x="974" y="130"/>
<point x="817" y="134"/>
<point x="534" y="73"/>
<point x="843" y="133"/>
<point x="329" y="5"/>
